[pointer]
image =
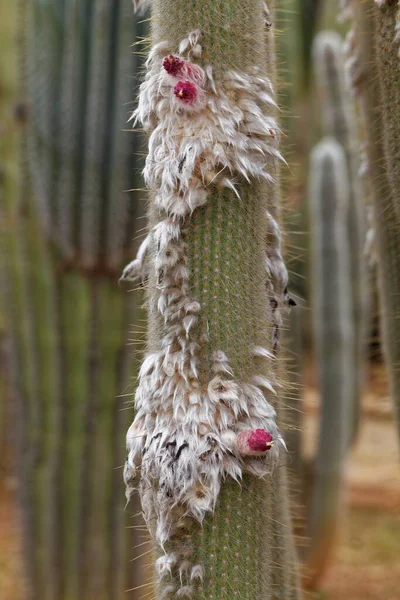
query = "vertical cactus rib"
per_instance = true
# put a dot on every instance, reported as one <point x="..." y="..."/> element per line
<point x="122" y="202"/>
<point x="74" y="66"/>
<point x="329" y="191"/>
<point x="74" y="313"/>
<point x="339" y="121"/>
<point x="96" y="135"/>
<point x="121" y="574"/>
<point x="15" y="305"/>
<point x="206" y="383"/>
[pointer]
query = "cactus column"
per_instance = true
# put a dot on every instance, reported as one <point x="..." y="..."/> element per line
<point x="387" y="204"/>
<point x="333" y="331"/>
<point x="204" y="401"/>
<point x="376" y="59"/>
<point x="339" y="121"/>
<point x="68" y="320"/>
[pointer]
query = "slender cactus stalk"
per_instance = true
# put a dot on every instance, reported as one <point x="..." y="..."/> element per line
<point x="388" y="71"/>
<point x="374" y="51"/>
<point x="339" y="121"/>
<point x="69" y="330"/>
<point x="8" y="125"/>
<point x="204" y="414"/>
<point x="333" y="330"/>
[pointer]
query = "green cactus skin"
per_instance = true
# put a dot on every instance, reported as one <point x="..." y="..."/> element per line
<point x="339" y="121"/>
<point x="370" y="26"/>
<point x="388" y="70"/>
<point x="79" y="74"/>
<point x="69" y="330"/>
<point x="333" y="331"/>
<point x="7" y="123"/>
<point x="73" y="344"/>
<point x="245" y="546"/>
<point x="293" y="346"/>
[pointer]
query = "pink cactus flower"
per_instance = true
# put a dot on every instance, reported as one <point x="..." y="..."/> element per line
<point x="173" y="65"/>
<point x="186" y="92"/>
<point x="254" y="442"/>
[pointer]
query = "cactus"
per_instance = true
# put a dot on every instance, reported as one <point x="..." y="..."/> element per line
<point x="7" y="92"/>
<point x="339" y="121"/>
<point x="68" y="321"/>
<point x="333" y="331"/>
<point x="202" y="415"/>
<point x="77" y="88"/>
<point x="388" y="71"/>
<point x="374" y="50"/>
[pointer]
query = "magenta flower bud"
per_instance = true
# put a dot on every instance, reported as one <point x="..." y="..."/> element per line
<point x="173" y="65"/>
<point x="254" y="442"/>
<point x="186" y="92"/>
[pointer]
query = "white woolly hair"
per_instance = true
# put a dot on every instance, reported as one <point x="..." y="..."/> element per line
<point x="140" y="6"/>
<point x="183" y="438"/>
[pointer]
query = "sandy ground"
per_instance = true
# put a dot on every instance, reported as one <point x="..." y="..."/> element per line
<point x="366" y="562"/>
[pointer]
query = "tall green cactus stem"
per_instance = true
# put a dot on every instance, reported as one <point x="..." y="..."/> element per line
<point x="388" y="70"/>
<point x="213" y="310"/>
<point x="7" y="167"/>
<point x="339" y="121"/>
<point x="69" y="330"/>
<point x="79" y="74"/>
<point x="329" y="192"/>
<point x="72" y="360"/>
<point x="368" y="56"/>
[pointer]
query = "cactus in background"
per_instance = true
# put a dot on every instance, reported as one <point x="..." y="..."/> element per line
<point x="69" y="322"/>
<point x="339" y="121"/>
<point x="77" y="64"/>
<point x="202" y="414"/>
<point x="333" y="331"/>
<point x="388" y="70"/>
<point x="309" y="12"/>
<point x="375" y="59"/>
<point x="7" y="93"/>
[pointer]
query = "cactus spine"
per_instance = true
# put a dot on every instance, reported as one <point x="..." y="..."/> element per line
<point x="329" y="195"/>
<point x="339" y="121"/>
<point x="211" y="325"/>
<point x="69" y="328"/>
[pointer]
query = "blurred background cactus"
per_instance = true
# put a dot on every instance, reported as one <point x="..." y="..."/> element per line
<point x="339" y="121"/>
<point x="339" y="311"/>
<point x="334" y="335"/>
<point x="68" y="226"/>
<point x="376" y="53"/>
<point x="70" y="191"/>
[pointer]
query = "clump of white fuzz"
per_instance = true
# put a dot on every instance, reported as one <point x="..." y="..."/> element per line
<point x="183" y="438"/>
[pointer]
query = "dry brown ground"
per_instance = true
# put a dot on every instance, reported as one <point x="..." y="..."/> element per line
<point x="366" y="563"/>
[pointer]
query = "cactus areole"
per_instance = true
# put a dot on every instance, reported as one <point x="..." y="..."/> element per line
<point x="204" y="410"/>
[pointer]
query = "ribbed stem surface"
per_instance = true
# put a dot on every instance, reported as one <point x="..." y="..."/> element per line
<point x="80" y="75"/>
<point x="339" y="121"/>
<point x="68" y="332"/>
<point x="245" y="546"/>
<point x="374" y="25"/>
<point x="333" y="332"/>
